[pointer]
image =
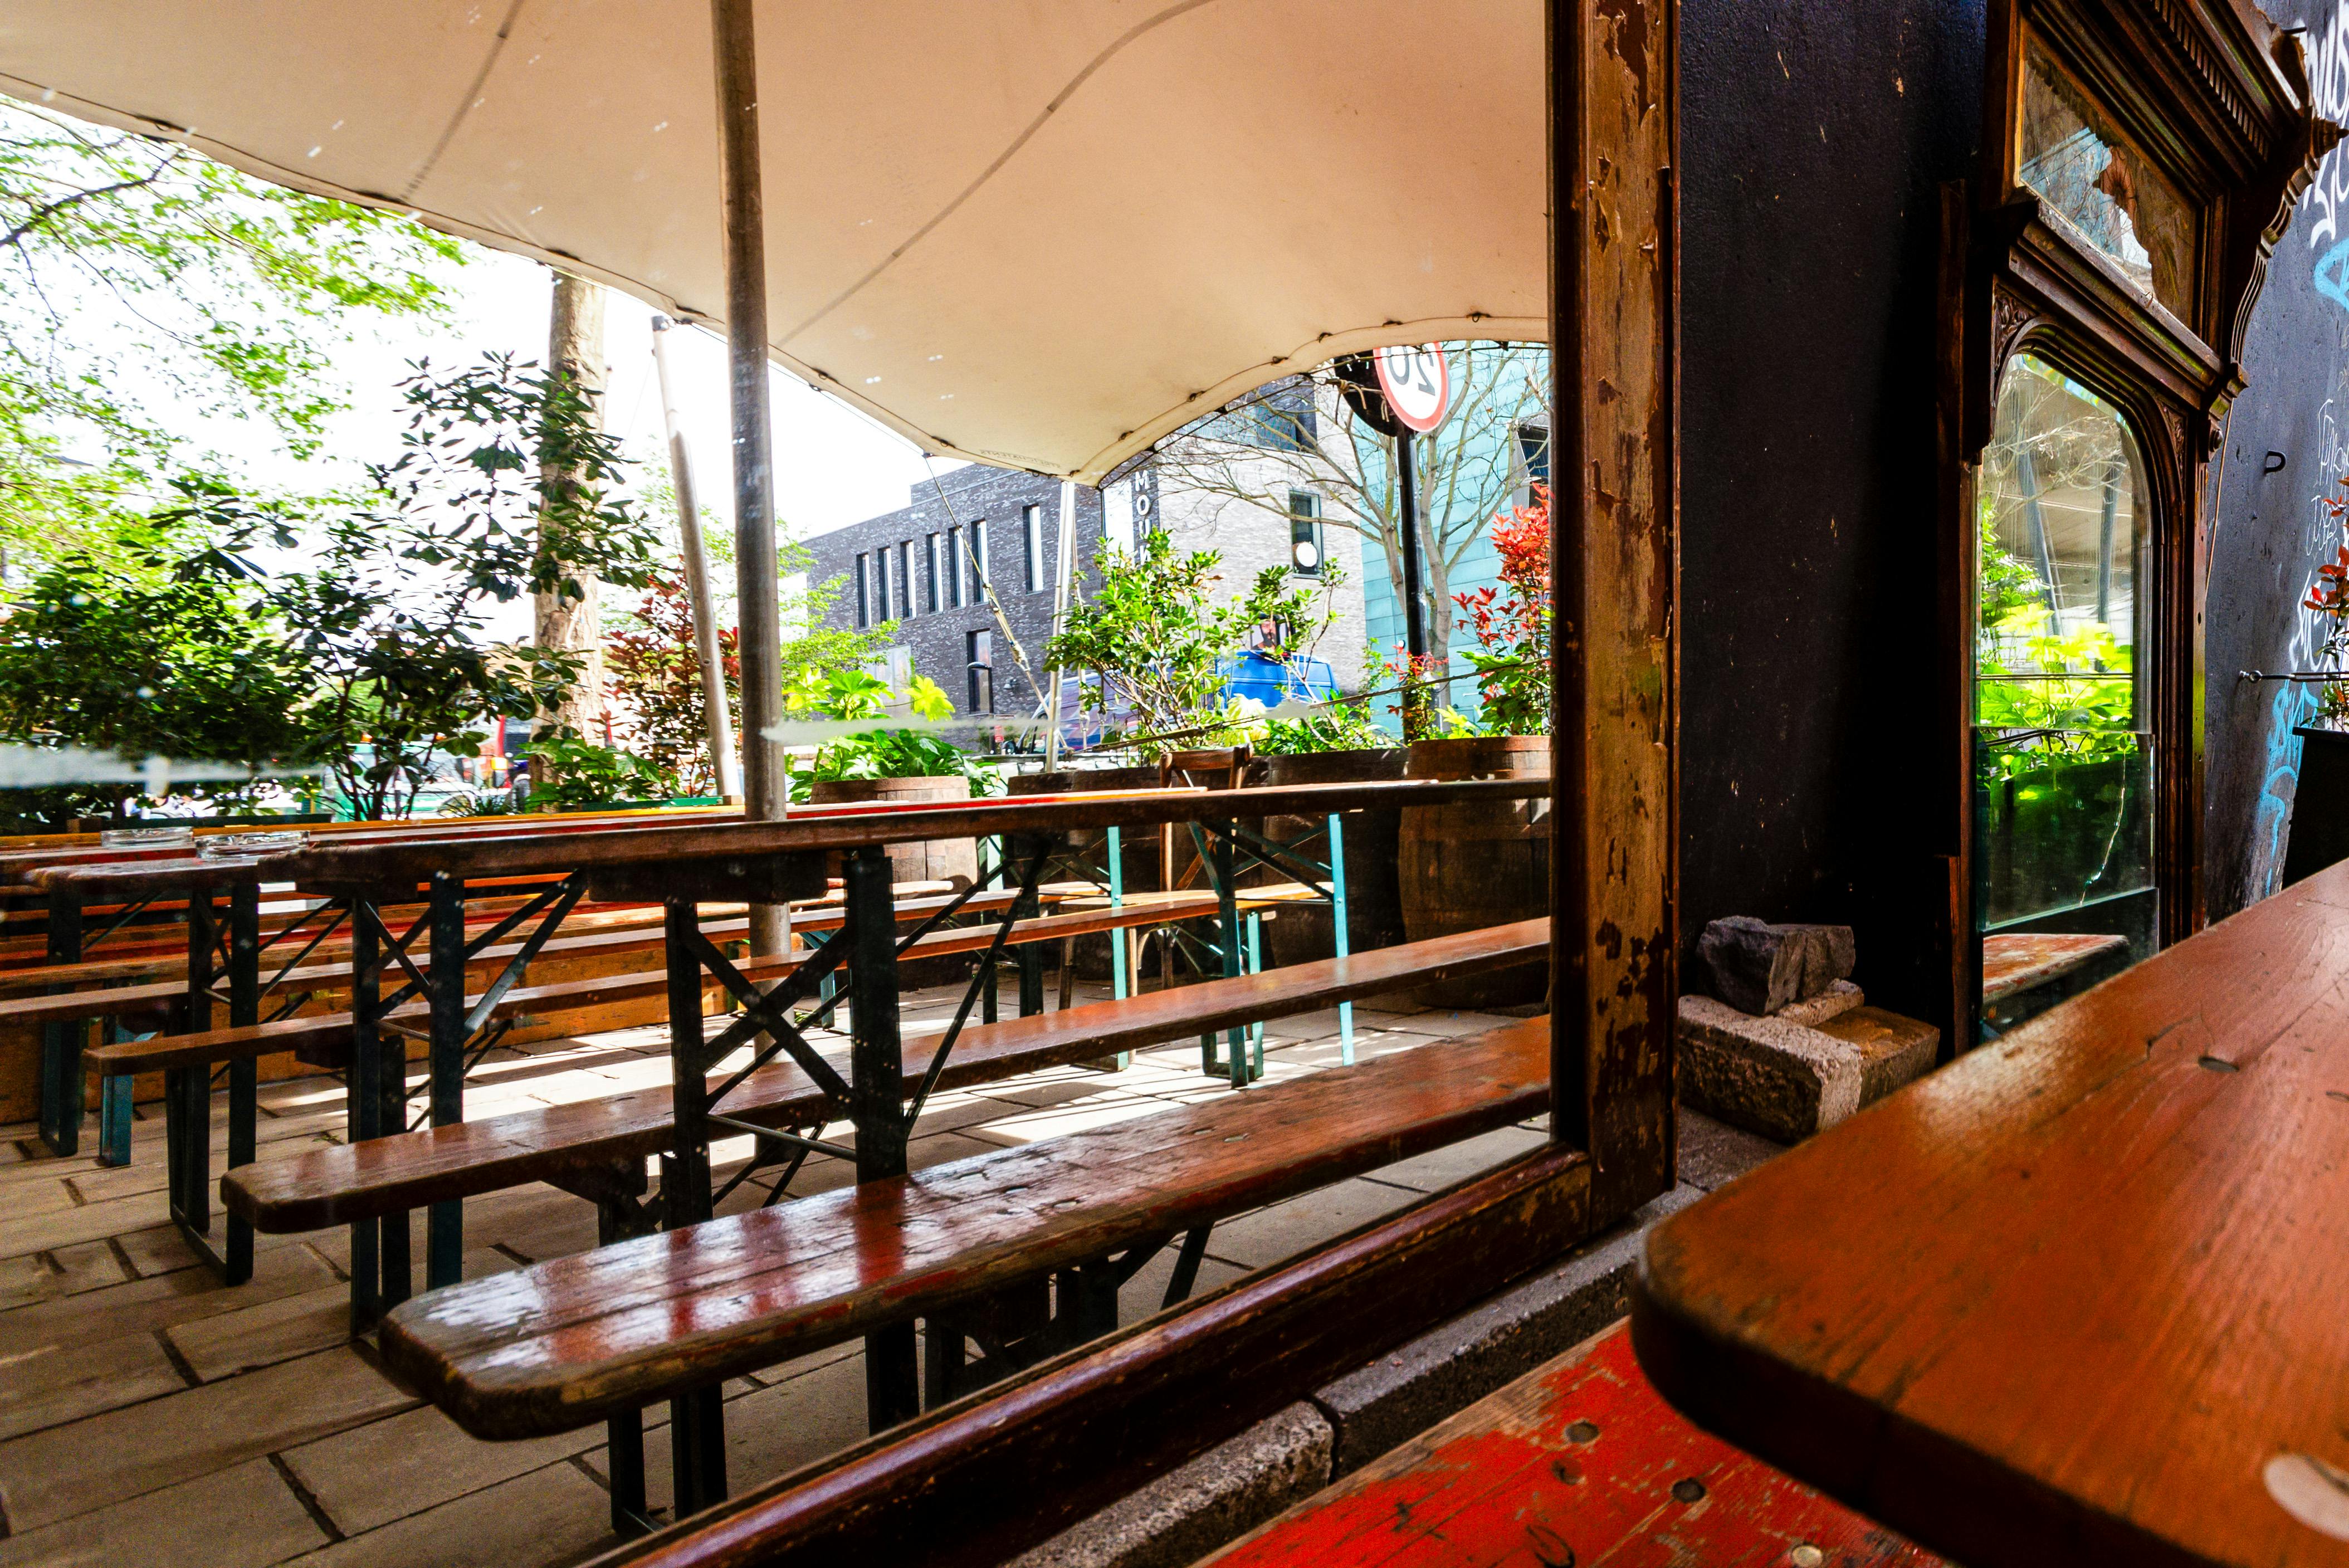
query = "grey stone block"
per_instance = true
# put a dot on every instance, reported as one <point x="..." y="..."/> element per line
<point x="1713" y="1154"/>
<point x="1786" y="1080"/>
<point x="1893" y="1050"/>
<point x="1759" y="968"/>
<point x="1217" y="1498"/>
<point x="1450" y="1368"/>
<point x="1834" y="1002"/>
<point x="1779" y="1079"/>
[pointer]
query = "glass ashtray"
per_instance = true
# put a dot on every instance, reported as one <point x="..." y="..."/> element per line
<point x="248" y="846"/>
<point x="147" y="838"/>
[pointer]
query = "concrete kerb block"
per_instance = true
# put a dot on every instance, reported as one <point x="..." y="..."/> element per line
<point x="1786" y="1079"/>
<point x="1451" y="1368"/>
<point x="1217" y="1498"/>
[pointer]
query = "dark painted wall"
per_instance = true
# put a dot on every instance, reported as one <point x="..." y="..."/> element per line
<point x="1816" y="134"/>
<point x="2270" y="529"/>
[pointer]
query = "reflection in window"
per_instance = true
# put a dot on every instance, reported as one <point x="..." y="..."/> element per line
<point x="2106" y="189"/>
<point x="2063" y="762"/>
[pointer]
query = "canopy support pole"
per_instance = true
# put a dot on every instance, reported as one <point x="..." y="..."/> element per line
<point x="1064" y="570"/>
<point x="765" y="795"/>
<point x="717" y="719"/>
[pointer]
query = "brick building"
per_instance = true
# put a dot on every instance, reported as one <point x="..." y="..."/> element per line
<point x="920" y="567"/>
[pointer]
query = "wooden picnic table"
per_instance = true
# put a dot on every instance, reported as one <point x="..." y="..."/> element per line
<point x="2079" y="1297"/>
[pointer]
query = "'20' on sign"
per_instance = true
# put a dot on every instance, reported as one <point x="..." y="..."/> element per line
<point x="1417" y="383"/>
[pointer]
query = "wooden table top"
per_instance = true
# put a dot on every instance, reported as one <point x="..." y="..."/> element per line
<point x="1578" y="1461"/>
<point x="2081" y="1297"/>
<point x="2017" y="961"/>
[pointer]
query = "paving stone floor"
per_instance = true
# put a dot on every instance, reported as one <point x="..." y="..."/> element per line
<point x="150" y="1416"/>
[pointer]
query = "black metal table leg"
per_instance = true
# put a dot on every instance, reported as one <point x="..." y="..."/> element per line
<point x="364" y="1113"/>
<point x="187" y="1090"/>
<point x="244" y="1071"/>
<point x="444" y="1244"/>
<point x="696" y="1420"/>
<point x="893" y="1389"/>
<point x="61" y="1044"/>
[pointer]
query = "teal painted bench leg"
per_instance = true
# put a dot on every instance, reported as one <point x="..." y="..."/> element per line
<point x="114" y="1119"/>
<point x="1337" y="927"/>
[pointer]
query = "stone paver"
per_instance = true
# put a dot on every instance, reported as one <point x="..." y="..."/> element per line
<point x="243" y="1517"/>
<point x="551" y="1516"/>
<point x="143" y="1306"/>
<point x="63" y="1382"/>
<point x="292" y="1444"/>
<point x="1286" y="1228"/>
<point x="92" y="1463"/>
<point x="391" y="1469"/>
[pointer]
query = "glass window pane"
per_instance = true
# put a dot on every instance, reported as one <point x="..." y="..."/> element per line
<point x="2063" y="752"/>
<point x="2110" y="193"/>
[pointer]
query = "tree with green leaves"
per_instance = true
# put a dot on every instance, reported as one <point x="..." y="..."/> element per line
<point x="141" y="283"/>
<point x="137" y="660"/>
<point x="388" y="622"/>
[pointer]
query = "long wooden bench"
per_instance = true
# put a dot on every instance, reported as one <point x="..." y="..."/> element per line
<point x="635" y="934"/>
<point x="559" y="1143"/>
<point x="332" y="1030"/>
<point x="574" y="1340"/>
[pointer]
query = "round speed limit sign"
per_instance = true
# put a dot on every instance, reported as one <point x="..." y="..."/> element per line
<point x="1417" y="383"/>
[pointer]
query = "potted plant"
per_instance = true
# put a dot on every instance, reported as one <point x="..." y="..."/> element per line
<point x="881" y="763"/>
<point x="1464" y="867"/>
<point x="580" y="775"/>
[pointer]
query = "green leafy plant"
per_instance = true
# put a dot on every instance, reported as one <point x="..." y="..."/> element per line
<point x="1511" y="622"/>
<point x="387" y="624"/>
<point x="1155" y="647"/>
<point x="654" y="664"/>
<point x="1338" y="727"/>
<point x="113" y="653"/>
<point x="856" y="695"/>
<point x="146" y="283"/>
<point x="586" y="774"/>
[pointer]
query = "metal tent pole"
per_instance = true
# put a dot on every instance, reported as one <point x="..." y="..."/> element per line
<point x="764" y="783"/>
<point x="1064" y="570"/>
<point x="719" y="717"/>
<point x="1414" y="589"/>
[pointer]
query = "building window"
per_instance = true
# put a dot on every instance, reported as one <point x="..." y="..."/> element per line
<point x="979" y="576"/>
<point x="881" y="584"/>
<point x="954" y="568"/>
<point x="864" y="601"/>
<point x="1031" y="533"/>
<point x="930" y="578"/>
<point x="905" y="580"/>
<point x="1305" y="534"/>
<point x="980" y="665"/>
<point x="1533" y="450"/>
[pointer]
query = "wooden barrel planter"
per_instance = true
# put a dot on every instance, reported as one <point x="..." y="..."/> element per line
<point x="1138" y="848"/>
<point x="952" y="861"/>
<point x="1300" y="933"/>
<point x="1466" y="867"/>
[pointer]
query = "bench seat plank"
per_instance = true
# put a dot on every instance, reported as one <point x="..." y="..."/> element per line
<point x="566" y="1342"/>
<point x="1580" y="1461"/>
<point x="2076" y="1298"/>
<point x="407" y="1171"/>
<point x="325" y="1030"/>
<point x="642" y="935"/>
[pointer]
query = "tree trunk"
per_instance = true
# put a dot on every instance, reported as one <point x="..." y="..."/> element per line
<point x="575" y="349"/>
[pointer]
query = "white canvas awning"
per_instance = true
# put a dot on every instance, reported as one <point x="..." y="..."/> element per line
<point x="1039" y="233"/>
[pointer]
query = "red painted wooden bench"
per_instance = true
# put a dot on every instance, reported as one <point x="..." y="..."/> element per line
<point x="1579" y="1463"/>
